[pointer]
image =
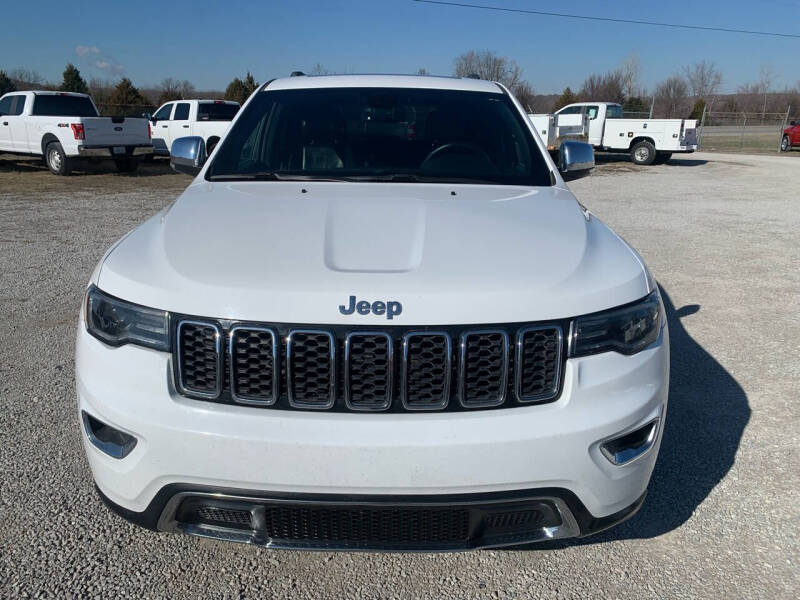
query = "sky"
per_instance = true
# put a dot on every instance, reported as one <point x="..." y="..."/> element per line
<point x="209" y="43"/>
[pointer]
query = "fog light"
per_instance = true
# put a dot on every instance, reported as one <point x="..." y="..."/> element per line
<point x="630" y="446"/>
<point x="112" y="441"/>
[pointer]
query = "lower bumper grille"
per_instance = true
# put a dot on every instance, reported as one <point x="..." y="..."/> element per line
<point x="370" y="526"/>
<point x="360" y="369"/>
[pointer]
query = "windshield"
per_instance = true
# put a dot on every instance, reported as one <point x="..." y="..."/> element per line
<point x="56" y="105"/>
<point x="381" y="134"/>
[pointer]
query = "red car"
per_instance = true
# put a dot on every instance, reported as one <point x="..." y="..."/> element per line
<point x="791" y="136"/>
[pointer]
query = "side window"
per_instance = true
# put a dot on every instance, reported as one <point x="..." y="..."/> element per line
<point x="181" y="112"/>
<point x="5" y="105"/>
<point x="571" y="110"/>
<point x="592" y="112"/>
<point x="163" y="113"/>
<point x="17" y="104"/>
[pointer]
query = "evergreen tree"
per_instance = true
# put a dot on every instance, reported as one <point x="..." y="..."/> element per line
<point x="72" y="81"/>
<point x="125" y="94"/>
<point x="567" y="97"/>
<point x="6" y="85"/>
<point x="239" y="90"/>
<point x="698" y="109"/>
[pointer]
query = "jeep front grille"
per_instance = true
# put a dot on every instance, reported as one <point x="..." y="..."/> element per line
<point x="361" y="369"/>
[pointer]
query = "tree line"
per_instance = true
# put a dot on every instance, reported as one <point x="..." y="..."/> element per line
<point x="123" y="97"/>
<point x="686" y="93"/>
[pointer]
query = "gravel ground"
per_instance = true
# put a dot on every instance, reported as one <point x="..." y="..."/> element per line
<point x="722" y="235"/>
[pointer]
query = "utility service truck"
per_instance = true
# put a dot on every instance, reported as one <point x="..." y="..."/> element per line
<point x="63" y="127"/>
<point x="208" y="119"/>
<point x="647" y="140"/>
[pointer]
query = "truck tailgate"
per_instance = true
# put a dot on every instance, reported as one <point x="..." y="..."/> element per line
<point x="115" y="131"/>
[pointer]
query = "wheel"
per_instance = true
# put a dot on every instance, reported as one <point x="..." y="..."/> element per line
<point x="56" y="160"/>
<point x="786" y="145"/>
<point x="662" y="157"/>
<point x="126" y="165"/>
<point x="643" y="153"/>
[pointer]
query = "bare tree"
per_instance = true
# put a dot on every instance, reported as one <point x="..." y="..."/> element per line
<point x="631" y="70"/>
<point x="26" y="79"/>
<point x="171" y="89"/>
<point x="704" y="80"/>
<point x="671" y="95"/>
<point x="766" y="77"/>
<point x="422" y="71"/>
<point x="319" y="69"/>
<point x="604" y="88"/>
<point x="488" y="65"/>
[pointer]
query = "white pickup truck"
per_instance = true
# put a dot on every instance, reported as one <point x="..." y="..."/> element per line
<point x="208" y="119"/>
<point x="647" y="140"/>
<point x="63" y="127"/>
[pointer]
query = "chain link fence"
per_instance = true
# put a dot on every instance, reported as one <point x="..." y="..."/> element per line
<point x="742" y="132"/>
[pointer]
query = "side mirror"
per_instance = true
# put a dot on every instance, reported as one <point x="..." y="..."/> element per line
<point x="148" y="116"/>
<point x="188" y="155"/>
<point x="575" y="159"/>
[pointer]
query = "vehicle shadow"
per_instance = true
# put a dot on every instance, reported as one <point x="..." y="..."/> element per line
<point x="677" y="160"/>
<point x="147" y="168"/>
<point x="706" y="417"/>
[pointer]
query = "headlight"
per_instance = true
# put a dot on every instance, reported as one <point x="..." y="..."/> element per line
<point x="627" y="329"/>
<point x="117" y="322"/>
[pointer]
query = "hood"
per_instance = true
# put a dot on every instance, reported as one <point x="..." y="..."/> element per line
<point x="295" y="252"/>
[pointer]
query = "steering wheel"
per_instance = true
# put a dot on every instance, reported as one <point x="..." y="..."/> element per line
<point x="454" y="146"/>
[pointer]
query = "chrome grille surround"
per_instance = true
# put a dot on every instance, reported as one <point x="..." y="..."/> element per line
<point x="292" y="355"/>
<point x="355" y="404"/>
<point x="553" y="390"/>
<point x="410" y="369"/>
<point x="462" y="371"/>
<point x="188" y="389"/>
<point x="244" y="398"/>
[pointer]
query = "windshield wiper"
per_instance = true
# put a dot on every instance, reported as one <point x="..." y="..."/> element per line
<point x="270" y="176"/>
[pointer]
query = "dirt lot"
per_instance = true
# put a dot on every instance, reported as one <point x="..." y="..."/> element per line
<point x="720" y="232"/>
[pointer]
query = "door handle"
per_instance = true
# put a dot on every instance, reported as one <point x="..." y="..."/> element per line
<point x="186" y="127"/>
<point x="165" y="126"/>
<point x="5" y="122"/>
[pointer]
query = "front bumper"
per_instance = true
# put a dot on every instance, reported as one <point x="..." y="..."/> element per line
<point x="549" y="451"/>
<point x="113" y="152"/>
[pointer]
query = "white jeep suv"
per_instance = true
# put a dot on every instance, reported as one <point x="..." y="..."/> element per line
<point x="376" y="319"/>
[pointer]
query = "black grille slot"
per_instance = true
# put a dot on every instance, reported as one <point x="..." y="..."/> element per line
<point x="311" y="360"/>
<point x="224" y="516"/>
<point x="427" y="370"/>
<point x="200" y="359"/>
<point x="484" y="368"/>
<point x="254" y="376"/>
<point x="513" y="519"/>
<point x="367" y="524"/>
<point x="368" y="371"/>
<point x="538" y="363"/>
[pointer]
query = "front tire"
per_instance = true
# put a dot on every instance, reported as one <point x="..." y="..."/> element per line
<point x="786" y="145"/>
<point x="643" y="153"/>
<point x="56" y="160"/>
<point x="126" y="165"/>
